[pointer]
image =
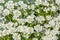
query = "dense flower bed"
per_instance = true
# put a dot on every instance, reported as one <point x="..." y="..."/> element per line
<point x="30" y="21"/>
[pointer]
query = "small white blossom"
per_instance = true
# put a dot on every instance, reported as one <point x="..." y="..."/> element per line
<point x="57" y="2"/>
<point x="40" y="19"/>
<point x="6" y="12"/>
<point x="38" y="28"/>
<point x="1" y="8"/>
<point x="47" y="25"/>
<point x="16" y="13"/>
<point x="52" y="23"/>
<point x="21" y="21"/>
<point x="48" y="17"/>
<point x="38" y="2"/>
<point x="46" y="3"/>
<point x="9" y="5"/>
<point x="30" y="19"/>
<point x="2" y="1"/>
<point x="32" y="7"/>
<point x="16" y="36"/>
<point x="34" y="39"/>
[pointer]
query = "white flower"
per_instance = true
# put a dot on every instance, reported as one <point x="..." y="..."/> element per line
<point x="1" y="7"/>
<point x="48" y="17"/>
<point x="32" y="6"/>
<point x="46" y="3"/>
<point x="28" y="7"/>
<point x="46" y="38"/>
<point x="38" y="2"/>
<point x="30" y="30"/>
<point x="20" y="29"/>
<point x="16" y="4"/>
<point x="9" y="5"/>
<point x="25" y="29"/>
<point x="35" y="39"/>
<point x="46" y="9"/>
<point x="52" y="23"/>
<point x="38" y="10"/>
<point x="57" y="2"/>
<point x="40" y="19"/>
<point x="26" y="36"/>
<point x="53" y="8"/>
<point x="21" y="21"/>
<point x="47" y="25"/>
<point x="24" y="6"/>
<point x="16" y="36"/>
<point x="2" y="1"/>
<point x="12" y="30"/>
<point x="38" y="28"/>
<point x="30" y="18"/>
<point x="8" y="25"/>
<point x="15" y="18"/>
<point x="54" y="32"/>
<point x="54" y="38"/>
<point x="58" y="18"/>
<point x="0" y="33"/>
<point x="5" y="32"/>
<point x="15" y="24"/>
<point x="47" y="32"/>
<point x="16" y="13"/>
<point x="6" y="12"/>
<point x="20" y="3"/>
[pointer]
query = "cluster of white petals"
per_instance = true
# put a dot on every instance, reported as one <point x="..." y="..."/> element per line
<point x="30" y="21"/>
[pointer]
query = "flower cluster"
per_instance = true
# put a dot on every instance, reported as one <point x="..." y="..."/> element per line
<point x="30" y="21"/>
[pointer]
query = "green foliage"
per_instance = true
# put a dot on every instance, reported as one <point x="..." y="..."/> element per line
<point x="7" y="37"/>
